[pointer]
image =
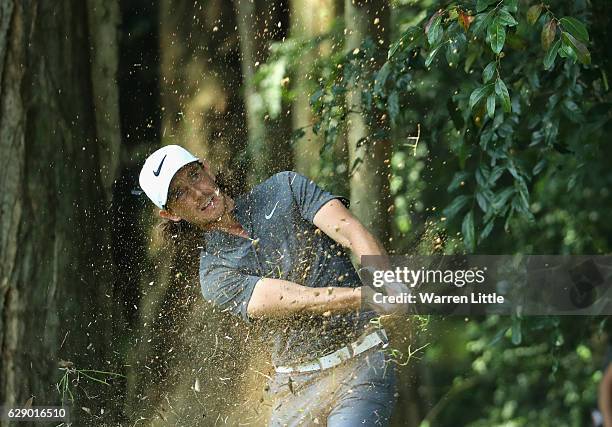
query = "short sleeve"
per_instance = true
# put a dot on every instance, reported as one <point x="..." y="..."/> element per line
<point x="228" y="288"/>
<point x="308" y="196"/>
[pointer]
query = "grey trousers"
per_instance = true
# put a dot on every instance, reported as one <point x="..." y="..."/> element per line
<point x="359" y="392"/>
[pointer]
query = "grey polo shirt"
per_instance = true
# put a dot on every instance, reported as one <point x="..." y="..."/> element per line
<point x="285" y="244"/>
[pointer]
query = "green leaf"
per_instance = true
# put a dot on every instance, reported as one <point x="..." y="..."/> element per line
<point x="539" y="167"/>
<point x="432" y="55"/>
<point x="549" y="31"/>
<point x="575" y="113"/>
<point x="495" y="174"/>
<point x="497" y="35"/>
<point x="482" y="201"/>
<point x="512" y="5"/>
<point x="467" y="229"/>
<point x="482" y="173"/>
<point x="483" y="4"/>
<point x="581" y="51"/>
<point x="478" y="94"/>
<point x="566" y="51"/>
<point x="575" y="28"/>
<point x="411" y="38"/>
<point x="452" y="52"/>
<point x="511" y="166"/>
<point x="381" y="78"/>
<point x="435" y="30"/>
<point x="534" y="13"/>
<point x="505" y="18"/>
<point x="491" y="106"/>
<point x="502" y="197"/>
<point x="417" y="41"/>
<point x="456" y="205"/>
<point x="486" y="231"/>
<point x="487" y="73"/>
<point x="482" y="21"/>
<point x="523" y="192"/>
<point x="549" y="58"/>
<point x="502" y="91"/>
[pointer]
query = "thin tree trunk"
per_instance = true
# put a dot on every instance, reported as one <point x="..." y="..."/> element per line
<point x="268" y="140"/>
<point x="252" y="44"/>
<point x="103" y="39"/>
<point x="370" y="198"/>
<point x="55" y="266"/>
<point x="309" y="18"/>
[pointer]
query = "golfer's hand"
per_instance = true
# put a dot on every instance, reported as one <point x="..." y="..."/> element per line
<point x="377" y="299"/>
<point x="372" y="296"/>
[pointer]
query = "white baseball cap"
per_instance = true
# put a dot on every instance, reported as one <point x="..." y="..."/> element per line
<point x="158" y="170"/>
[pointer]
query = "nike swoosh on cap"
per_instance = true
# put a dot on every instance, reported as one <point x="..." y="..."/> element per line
<point x="158" y="171"/>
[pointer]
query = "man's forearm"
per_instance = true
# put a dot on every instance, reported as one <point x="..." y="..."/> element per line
<point x="364" y="243"/>
<point x="281" y="298"/>
<point x="343" y="227"/>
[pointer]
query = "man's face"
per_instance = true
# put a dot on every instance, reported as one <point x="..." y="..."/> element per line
<point x="195" y="197"/>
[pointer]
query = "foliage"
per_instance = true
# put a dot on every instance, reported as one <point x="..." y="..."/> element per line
<point x="550" y="382"/>
<point x="522" y="103"/>
<point x="515" y="108"/>
<point x="513" y="103"/>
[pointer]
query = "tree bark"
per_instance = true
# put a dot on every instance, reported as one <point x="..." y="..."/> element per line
<point x="252" y="45"/>
<point x="103" y="39"/>
<point x="268" y="146"/>
<point x="55" y="266"/>
<point x="370" y="199"/>
<point x="309" y="18"/>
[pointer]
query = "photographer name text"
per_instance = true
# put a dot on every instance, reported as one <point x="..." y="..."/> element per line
<point x="432" y="298"/>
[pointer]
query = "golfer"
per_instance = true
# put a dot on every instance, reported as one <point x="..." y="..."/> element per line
<point x="279" y="254"/>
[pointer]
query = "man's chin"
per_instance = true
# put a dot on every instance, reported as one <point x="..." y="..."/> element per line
<point x="224" y="209"/>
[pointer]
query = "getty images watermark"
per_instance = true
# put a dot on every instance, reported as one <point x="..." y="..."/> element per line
<point x="488" y="284"/>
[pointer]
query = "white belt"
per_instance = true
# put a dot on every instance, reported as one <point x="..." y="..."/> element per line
<point x="337" y="357"/>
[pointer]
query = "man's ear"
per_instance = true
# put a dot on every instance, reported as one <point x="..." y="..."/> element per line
<point x="167" y="215"/>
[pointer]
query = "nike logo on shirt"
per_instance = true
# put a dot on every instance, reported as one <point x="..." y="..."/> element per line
<point x="268" y="216"/>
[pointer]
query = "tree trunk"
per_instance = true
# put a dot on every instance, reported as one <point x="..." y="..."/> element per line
<point x="370" y="198"/>
<point x="268" y="141"/>
<point x="104" y="20"/>
<point x="55" y="266"/>
<point x="309" y="18"/>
